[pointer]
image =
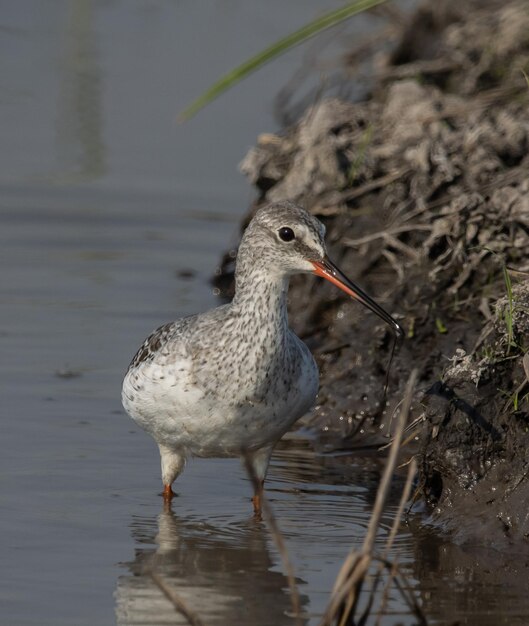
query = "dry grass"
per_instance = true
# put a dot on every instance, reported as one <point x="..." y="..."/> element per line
<point x="343" y="607"/>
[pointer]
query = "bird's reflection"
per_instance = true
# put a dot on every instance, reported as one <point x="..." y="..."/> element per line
<point x="223" y="574"/>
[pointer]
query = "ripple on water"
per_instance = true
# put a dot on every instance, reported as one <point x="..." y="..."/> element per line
<point x="211" y="546"/>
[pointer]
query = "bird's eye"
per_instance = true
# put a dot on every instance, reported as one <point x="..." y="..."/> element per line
<point x="286" y="234"/>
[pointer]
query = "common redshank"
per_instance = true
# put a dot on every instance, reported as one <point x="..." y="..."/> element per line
<point x="232" y="381"/>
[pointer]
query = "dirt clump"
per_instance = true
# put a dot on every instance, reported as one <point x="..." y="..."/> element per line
<point x="424" y="189"/>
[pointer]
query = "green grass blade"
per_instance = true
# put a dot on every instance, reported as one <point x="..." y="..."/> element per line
<point x="441" y="328"/>
<point x="305" y="32"/>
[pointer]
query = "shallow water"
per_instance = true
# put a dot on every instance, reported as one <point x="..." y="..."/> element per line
<point x="224" y="563"/>
<point x="112" y="221"/>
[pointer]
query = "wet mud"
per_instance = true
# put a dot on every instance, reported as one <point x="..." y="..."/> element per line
<point x="475" y="449"/>
<point x="424" y="190"/>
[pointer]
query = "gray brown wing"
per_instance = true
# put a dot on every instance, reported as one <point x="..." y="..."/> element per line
<point x="158" y="339"/>
<point x="190" y="330"/>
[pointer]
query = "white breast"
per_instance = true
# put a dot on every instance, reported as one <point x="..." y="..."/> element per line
<point x="164" y="397"/>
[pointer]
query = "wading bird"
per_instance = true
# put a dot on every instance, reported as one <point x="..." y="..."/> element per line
<point x="232" y="381"/>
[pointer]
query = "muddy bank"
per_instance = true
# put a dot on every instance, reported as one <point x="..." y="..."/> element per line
<point x="475" y="447"/>
<point x="424" y="189"/>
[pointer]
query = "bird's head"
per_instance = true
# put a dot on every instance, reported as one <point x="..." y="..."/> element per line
<point x="284" y="239"/>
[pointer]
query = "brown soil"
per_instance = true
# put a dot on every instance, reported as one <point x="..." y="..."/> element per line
<point x="424" y="189"/>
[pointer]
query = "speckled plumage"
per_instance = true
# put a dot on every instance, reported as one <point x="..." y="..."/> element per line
<point x="232" y="380"/>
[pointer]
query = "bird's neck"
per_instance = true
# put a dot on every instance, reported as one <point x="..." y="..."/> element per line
<point x="261" y="299"/>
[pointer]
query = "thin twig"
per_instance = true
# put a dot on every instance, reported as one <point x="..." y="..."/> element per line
<point x="392" y="260"/>
<point x="278" y="539"/>
<point x="436" y="66"/>
<point x="390" y="465"/>
<point x="384" y="233"/>
<point x="411" y="430"/>
<point x="383" y="181"/>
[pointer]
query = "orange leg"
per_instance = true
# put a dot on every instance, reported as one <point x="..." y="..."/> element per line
<point x="256" y="500"/>
<point x="168" y="493"/>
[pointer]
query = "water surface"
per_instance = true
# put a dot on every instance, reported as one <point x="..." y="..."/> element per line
<point x="112" y="220"/>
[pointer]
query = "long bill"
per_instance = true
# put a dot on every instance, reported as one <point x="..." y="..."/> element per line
<point x="326" y="269"/>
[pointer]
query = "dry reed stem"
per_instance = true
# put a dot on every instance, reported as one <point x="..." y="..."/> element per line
<point x="385" y="593"/>
<point x="412" y="469"/>
<point x="391" y="463"/>
<point x="352" y="573"/>
<point x="278" y="539"/>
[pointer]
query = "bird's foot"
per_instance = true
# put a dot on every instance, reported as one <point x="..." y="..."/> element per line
<point x="168" y="493"/>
